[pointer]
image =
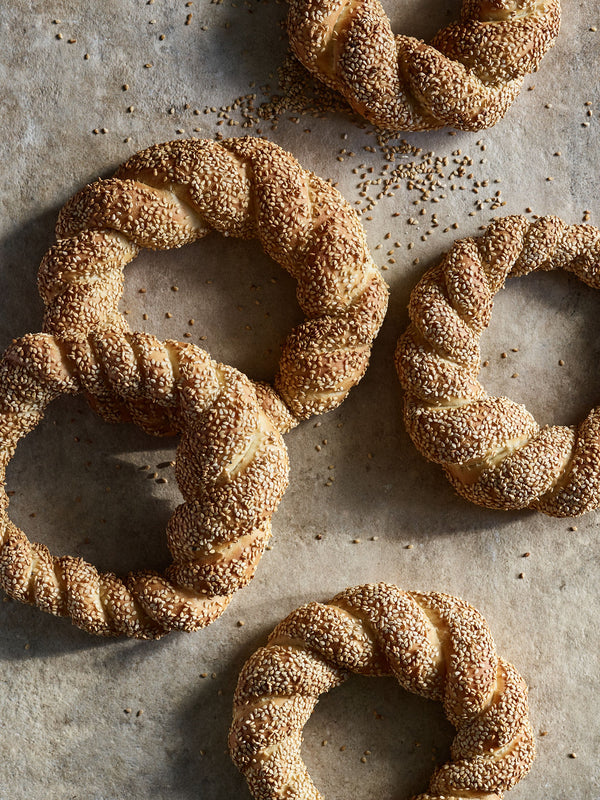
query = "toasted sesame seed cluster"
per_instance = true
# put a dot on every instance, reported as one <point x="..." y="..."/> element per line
<point x="177" y="192"/>
<point x="466" y="78"/>
<point x="492" y="449"/>
<point x="231" y="468"/>
<point x="435" y="645"/>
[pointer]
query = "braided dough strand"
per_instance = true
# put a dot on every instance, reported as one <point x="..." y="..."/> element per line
<point x="434" y="644"/>
<point x="467" y="78"/>
<point x="175" y="193"/>
<point x="231" y="468"/>
<point x="494" y="452"/>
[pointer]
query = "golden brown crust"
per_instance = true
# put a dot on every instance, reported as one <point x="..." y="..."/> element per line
<point x="435" y="645"/>
<point x="467" y="78"/>
<point x="177" y="192"/>
<point x="231" y="468"/>
<point x="494" y="452"/>
<point x="231" y="462"/>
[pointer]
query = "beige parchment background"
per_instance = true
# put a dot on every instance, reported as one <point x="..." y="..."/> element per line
<point x="90" y="719"/>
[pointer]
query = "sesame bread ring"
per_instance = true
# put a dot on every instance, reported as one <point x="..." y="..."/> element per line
<point x="466" y="78"/>
<point x="492" y="449"/>
<point x="231" y="468"/>
<point x="435" y="645"/>
<point x="177" y="192"/>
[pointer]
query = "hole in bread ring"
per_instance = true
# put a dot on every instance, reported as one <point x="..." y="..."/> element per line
<point x="466" y="78"/>
<point x="492" y="449"/>
<point x="177" y="192"/>
<point x="435" y="645"/>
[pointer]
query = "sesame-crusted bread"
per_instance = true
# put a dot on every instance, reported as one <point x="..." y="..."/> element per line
<point x="466" y="78"/>
<point x="492" y="449"/>
<point x="231" y="468"/>
<point x="177" y="192"/>
<point x="435" y="645"/>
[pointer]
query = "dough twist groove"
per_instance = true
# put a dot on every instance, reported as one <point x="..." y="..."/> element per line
<point x="435" y="645"/>
<point x="492" y="449"/>
<point x="177" y="192"/>
<point x="231" y="468"/>
<point x="467" y="78"/>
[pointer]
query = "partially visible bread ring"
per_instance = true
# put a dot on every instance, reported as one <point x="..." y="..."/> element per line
<point x="231" y="468"/>
<point x="467" y="78"/>
<point x="177" y="192"/>
<point x="492" y="449"/>
<point x="435" y="645"/>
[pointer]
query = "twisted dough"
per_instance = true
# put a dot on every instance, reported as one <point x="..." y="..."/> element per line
<point x="177" y="192"/>
<point x="435" y="645"/>
<point x="492" y="449"/>
<point x="231" y="469"/>
<point x="467" y="78"/>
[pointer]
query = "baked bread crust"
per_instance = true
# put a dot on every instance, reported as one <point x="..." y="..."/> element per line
<point x="435" y="645"/>
<point x="492" y="449"/>
<point x="231" y="464"/>
<point x="231" y="468"/>
<point x="466" y="78"/>
<point x="177" y="192"/>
